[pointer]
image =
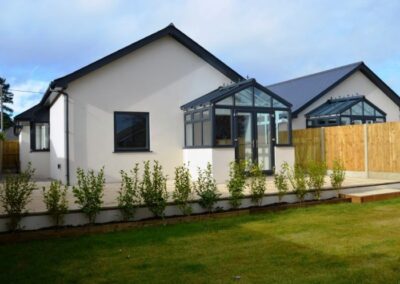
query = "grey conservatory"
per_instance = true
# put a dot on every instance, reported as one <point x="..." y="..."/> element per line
<point x="245" y="116"/>
<point x="343" y="111"/>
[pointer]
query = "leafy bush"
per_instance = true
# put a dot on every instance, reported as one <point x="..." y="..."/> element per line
<point x="56" y="201"/>
<point x="15" y="193"/>
<point x="183" y="189"/>
<point x="206" y="189"/>
<point x="257" y="183"/>
<point x="153" y="189"/>
<point x="281" y="182"/>
<point x="316" y="177"/>
<point x="89" y="192"/>
<point x="128" y="195"/>
<point x="338" y="175"/>
<point x="237" y="182"/>
<point x="298" y="179"/>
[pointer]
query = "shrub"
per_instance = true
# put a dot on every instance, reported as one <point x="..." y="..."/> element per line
<point x="15" y="193"/>
<point x="298" y="180"/>
<point x="237" y="182"/>
<point x="153" y="189"/>
<point x="56" y="202"/>
<point x="338" y="175"/>
<point x="183" y="189"/>
<point x="257" y="183"/>
<point x="281" y="182"/>
<point x="316" y="177"/>
<point x="89" y="192"/>
<point x="206" y="189"/>
<point x="128" y="195"/>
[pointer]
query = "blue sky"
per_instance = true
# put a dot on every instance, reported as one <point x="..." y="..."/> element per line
<point x="269" y="40"/>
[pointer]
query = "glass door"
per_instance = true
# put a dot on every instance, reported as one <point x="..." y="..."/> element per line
<point x="263" y="140"/>
<point x="253" y="138"/>
<point x="244" y="136"/>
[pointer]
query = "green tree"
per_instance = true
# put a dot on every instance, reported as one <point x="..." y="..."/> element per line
<point x="8" y="99"/>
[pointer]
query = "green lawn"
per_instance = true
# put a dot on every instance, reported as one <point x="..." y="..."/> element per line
<point x="339" y="243"/>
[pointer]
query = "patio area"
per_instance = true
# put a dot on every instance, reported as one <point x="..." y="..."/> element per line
<point x="36" y="204"/>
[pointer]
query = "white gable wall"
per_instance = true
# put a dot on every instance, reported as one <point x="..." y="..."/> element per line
<point x="57" y="140"/>
<point x="158" y="79"/>
<point x="356" y="84"/>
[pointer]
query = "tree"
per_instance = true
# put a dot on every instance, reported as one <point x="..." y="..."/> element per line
<point x="7" y="99"/>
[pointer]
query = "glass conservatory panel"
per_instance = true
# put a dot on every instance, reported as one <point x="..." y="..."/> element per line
<point x="188" y="117"/>
<point x="276" y="103"/>
<point x="282" y="127"/>
<point x="378" y="113"/>
<point x="207" y="133"/>
<point x="347" y="112"/>
<point x="261" y="99"/>
<point x="197" y="116"/>
<point x="189" y="135"/>
<point x="244" y="97"/>
<point x="345" y="120"/>
<point x="223" y="127"/>
<point x="357" y="109"/>
<point x="197" y="133"/>
<point x="226" y="102"/>
<point x="206" y="114"/>
<point x="368" y="110"/>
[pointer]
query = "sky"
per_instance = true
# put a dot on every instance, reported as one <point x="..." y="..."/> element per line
<point x="271" y="41"/>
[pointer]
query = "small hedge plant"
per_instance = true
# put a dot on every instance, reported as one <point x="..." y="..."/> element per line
<point x="257" y="183"/>
<point x="153" y="188"/>
<point x="206" y="188"/>
<point x="316" y="177"/>
<point x="183" y="192"/>
<point x="338" y="175"/>
<point x="129" y="195"/>
<point x="15" y="193"/>
<point x="55" y="199"/>
<point x="236" y="182"/>
<point x="89" y="192"/>
<point x="281" y="182"/>
<point x="298" y="179"/>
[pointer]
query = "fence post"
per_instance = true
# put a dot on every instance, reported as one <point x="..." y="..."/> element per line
<point x="322" y="141"/>
<point x="366" y="170"/>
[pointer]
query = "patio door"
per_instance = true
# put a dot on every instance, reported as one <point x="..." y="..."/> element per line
<point x="253" y="138"/>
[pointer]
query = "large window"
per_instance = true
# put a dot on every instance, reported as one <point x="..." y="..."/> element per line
<point x="198" y="128"/>
<point x="41" y="137"/>
<point x="131" y="131"/>
<point x="282" y="127"/>
<point x="223" y="127"/>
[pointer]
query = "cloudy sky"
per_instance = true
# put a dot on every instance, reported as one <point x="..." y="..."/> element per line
<point x="269" y="40"/>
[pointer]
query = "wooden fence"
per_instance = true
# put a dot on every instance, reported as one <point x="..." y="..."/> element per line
<point x="10" y="155"/>
<point x="368" y="147"/>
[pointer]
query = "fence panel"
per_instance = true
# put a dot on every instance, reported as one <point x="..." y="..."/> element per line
<point x="347" y="144"/>
<point x="10" y="155"/>
<point x="307" y="144"/>
<point x="384" y="147"/>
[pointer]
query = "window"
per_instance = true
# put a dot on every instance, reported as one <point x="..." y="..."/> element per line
<point x="227" y="101"/>
<point x="131" y="131"/>
<point x="282" y="127"/>
<point x="223" y="127"/>
<point x="41" y="136"/>
<point x="261" y="99"/>
<point x="244" y="97"/>
<point x="198" y="129"/>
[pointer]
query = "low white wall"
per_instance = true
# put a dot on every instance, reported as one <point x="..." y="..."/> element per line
<point x="218" y="157"/>
<point x="284" y="154"/>
<point x="39" y="160"/>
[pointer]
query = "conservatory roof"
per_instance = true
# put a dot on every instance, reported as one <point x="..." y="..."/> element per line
<point x="338" y="106"/>
<point x="225" y="91"/>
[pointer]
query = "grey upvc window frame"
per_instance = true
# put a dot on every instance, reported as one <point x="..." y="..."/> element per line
<point x="201" y="121"/>
<point x="132" y="149"/>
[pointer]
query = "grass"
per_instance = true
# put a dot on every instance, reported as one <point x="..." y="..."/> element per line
<point x="341" y="243"/>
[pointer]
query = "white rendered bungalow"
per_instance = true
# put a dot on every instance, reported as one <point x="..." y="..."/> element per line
<point x="350" y="94"/>
<point x="161" y="98"/>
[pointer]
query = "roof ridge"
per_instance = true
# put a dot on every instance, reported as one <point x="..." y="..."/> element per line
<point x="317" y="73"/>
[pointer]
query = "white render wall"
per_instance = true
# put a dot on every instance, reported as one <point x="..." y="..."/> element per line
<point x="218" y="157"/>
<point x="57" y="140"/>
<point x="284" y="154"/>
<point x="39" y="160"/>
<point x="356" y="84"/>
<point x="158" y="79"/>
